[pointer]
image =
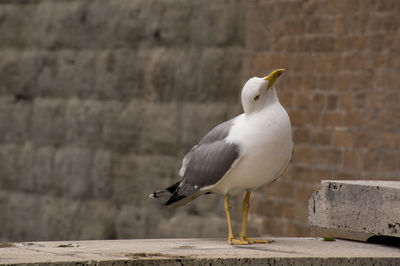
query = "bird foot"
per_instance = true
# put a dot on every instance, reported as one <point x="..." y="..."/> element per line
<point x="253" y="241"/>
<point x="234" y="241"/>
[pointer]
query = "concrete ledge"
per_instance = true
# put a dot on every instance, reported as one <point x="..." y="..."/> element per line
<point x="284" y="251"/>
<point x="371" y="207"/>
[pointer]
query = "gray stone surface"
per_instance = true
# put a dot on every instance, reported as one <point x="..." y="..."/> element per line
<point x="371" y="207"/>
<point x="283" y="251"/>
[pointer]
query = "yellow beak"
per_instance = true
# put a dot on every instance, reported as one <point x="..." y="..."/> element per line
<point x="271" y="78"/>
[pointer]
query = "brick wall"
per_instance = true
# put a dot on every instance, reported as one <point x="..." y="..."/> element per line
<point x="342" y="93"/>
<point x="99" y="101"/>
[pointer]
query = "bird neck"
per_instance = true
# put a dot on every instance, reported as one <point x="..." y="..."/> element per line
<point x="268" y="100"/>
<point x="272" y="97"/>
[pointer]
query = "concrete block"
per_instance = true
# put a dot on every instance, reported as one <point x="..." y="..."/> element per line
<point x="15" y="117"/>
<point x="83" y="120"/>
<point x="67" y="73"/>
<point x="19" y="18"/>
<point x="119" y="74"/>
<point x="217" y="23"/>
<point x="216" y="73"/>
<point x="257" y="27"/>
<point x="161" y="75"/>
<point x="195" y="75"/>
<point x="72" y="171"/>
<point x="97" y="220"/>
<point x="43" y="169"/>
<point x="132" y="25"/>
<point x="361" y="206"/>
<point x="171" y="26"/>
<point x="211" y="67"/>
<point x="25" y="162"/>
<point x="136" y="176"/>
<point x="18" y="73"/>
<point x="76" y="24"/>
<point x="48" y="121"/>
<point x="21" y="168"/>
<point x="132" y="221"/>
<point x="48" y="74"/>
<point x="29" y="66"/>
<point x="122" y="125"/>
<point x="9" y="73"/>
<point x="66" y="218"/>
<point x="23" y="206"/>
<point x="4" y="196"/>
<point x="101" y="179"/>
<point x="231" y="84"/>
<point x="160" y="129"/>
<point x="105" y="78"/>
<point x="187" y="224"/>
<point x="187" y="76"/>
<point x="130" y="67"/>
<point x="9" y="171"/>
<point x="80" y="24"/>
<point x="197" y="120"/>
<point x="57" y="218"/>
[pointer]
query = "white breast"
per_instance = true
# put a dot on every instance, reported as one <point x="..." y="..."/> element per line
<point x="265" y="140"/>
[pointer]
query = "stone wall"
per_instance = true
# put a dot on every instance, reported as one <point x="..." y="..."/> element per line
<point x="100" y="100"/>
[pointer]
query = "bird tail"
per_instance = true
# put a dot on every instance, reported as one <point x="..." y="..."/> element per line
<point x="183" y="194"/>
<point x="168" y="192"/>
<point x="179" y="194"/>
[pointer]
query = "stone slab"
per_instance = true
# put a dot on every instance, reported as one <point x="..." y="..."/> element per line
<point x="283" y="251"/>
<point x="370" y="207"/>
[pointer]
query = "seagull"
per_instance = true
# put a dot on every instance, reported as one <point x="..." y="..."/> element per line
<point x="239" y="155"/>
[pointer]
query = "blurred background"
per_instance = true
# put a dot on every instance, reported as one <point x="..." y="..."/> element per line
<point x="100" y="100"/>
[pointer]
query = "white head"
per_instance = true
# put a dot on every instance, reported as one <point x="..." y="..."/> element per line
<point x="258" y="93"/>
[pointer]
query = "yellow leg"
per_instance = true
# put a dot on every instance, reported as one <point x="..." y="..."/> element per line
<point x="243" y="233"/>
<point x="231" y="238"/>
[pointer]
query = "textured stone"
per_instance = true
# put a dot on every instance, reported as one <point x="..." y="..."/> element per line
<point x="18" y="72"/>
<point x="359" y="206"/>
<point x="66" y="74"/>
<point x="122" y="125"/>
<point x="48" y="122"/>
<point x="101" y="175"/>
<point x="161" y="170"/>
<point x="71" y="169"/>
<point x="198" y="120"/>
<point x="194" y="226"/>
<point x="83" y="120"/>
<point x="55" y="218"/>
<point x="15" y="116"/>
<point x="43" y="169"/>
<point x="283" y="251"/>
<point x="160" y="128"/>
<point x="258" y="20"/>
<point x="19" y="18"/>
<point x="9" y="171"/>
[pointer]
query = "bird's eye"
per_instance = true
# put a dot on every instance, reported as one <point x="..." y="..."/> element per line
<point x="256" y="97"/>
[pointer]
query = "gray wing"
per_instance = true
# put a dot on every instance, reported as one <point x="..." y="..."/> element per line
<point x="217" y="134"/>
<point x="207" y="162"/>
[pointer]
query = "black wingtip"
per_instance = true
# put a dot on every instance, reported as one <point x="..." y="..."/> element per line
<point x="179" y="194"/>
<point x="168" y="192"/>
<point x="173" y="199"/>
